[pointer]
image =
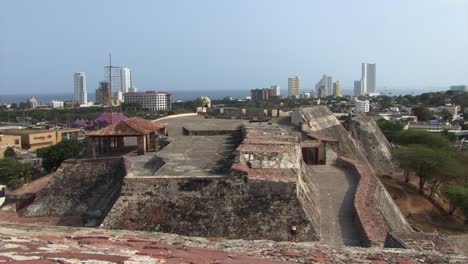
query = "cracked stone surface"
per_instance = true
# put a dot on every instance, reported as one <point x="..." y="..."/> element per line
<point x="36" y="244"/>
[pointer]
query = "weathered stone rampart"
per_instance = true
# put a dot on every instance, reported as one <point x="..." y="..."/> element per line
<point x="376" y="212"/>
<point x="372" y="142"/>
<point x="233" y="207"/>
<point x="308" y="195"/>
<point x="320" y="119"/>
<point x="86" y="188"/>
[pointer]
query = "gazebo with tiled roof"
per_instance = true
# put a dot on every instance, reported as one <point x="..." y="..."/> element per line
<point x="111" y="138"/>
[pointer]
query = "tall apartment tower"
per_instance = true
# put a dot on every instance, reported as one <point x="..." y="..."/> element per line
<point x="368" y="78"/>
<point x="337" y="89"/>
<point x="80" y="92"/>
<point x="327" y="82"/>
<point x="358" y="88"/>
<point x="294" y="87"/>
<point x="125" y="80"/>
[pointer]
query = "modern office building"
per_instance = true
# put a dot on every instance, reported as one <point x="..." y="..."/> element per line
<point x="125" y="80"/>
<point x="357" y="88"/>
<point x="362" y="106"/>
<point x="294" y="87"/>
<point x="327" y="82"/>
<point x="150" y="100"/>
<point x="275" y="90"/>
<point x="113" y="75"/>
<point x="80" y="92"/>
<point x="337" y="89"/>
<point x="368" y="78"/>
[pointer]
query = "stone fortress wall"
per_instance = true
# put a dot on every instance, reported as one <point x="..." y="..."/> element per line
<point x="376" y="212"/>
<point x="85" y="188"/>
<point x="258" y="200"/>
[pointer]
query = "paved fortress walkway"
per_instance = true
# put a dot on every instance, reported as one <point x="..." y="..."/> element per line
<point x="337" y="188"/>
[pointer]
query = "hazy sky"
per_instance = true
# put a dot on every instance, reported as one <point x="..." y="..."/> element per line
<point x="241" y="44"/>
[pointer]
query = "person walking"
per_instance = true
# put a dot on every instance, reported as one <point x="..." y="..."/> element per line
<point x="293" y="232"/>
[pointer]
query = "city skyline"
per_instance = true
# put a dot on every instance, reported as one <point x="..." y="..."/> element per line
<point x="162" y="45"/>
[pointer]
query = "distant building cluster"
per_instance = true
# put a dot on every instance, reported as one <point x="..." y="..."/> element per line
<point x="116" y="88"/>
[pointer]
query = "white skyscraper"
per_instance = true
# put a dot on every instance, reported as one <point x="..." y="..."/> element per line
<point x="327" y="82"/>
<point x="294" y="87"/>
<point x="125" y="80"/>
<point x="368" y="78"/>
<point x="81" y="94"/>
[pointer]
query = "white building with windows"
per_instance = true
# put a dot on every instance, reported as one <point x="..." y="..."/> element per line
<point x="151" y="100"/>
<point x="56" y="104"/>
<point x="294" y="87"/>
<point x="125" y="80"/>
<point x="80" y="92"/>
<point x="362" y="106"/>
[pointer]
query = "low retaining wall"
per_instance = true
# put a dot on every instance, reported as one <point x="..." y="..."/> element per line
<point x="375" y="211"/>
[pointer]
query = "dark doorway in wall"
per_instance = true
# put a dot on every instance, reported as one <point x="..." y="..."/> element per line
<point x="310" y="156"/>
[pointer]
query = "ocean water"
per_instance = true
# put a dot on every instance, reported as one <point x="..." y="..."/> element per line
<point x="213" y="94"/>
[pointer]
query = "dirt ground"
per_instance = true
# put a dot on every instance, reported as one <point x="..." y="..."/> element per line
<point x="420" y="212"/>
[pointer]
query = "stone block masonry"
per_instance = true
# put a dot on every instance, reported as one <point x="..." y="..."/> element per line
<point x="232" y="207"/>
<point x="85" y="188"/>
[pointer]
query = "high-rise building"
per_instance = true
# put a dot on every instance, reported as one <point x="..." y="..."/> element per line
<point x="321" y="91"/>
<point x="294" y="87"/>
<point x="337" y="89"/>
<point x="113" y="74"/>
<point x="358" y="88"/>
<point x="103" y="93"/>
<point x="260" y="94"/>
<point x="80" y="92"/>
<point x="275" y="90"/>
<point x="125" y="80"/>
<point x="368" y="78"/>
<point x="327" y="82"/>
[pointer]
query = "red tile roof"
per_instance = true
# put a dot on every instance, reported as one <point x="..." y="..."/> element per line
<point x="134" y="126"/>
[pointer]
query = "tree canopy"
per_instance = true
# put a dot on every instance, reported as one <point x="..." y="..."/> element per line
<point x="54" y="155"/>
<point x="390" y="128"/>
<point x="13" y="173"/>
<point x="422" y="113"/>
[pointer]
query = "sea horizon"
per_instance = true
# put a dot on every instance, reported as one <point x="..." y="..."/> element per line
<point x="186" y="95"/>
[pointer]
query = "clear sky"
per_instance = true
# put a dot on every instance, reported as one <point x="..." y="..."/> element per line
<point x="241" y="44"/>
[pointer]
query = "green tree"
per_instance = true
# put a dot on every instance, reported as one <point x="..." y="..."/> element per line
<point x="458" y="197"/>
<point x="390" y="128"/>
<point x="424" y="161"/>
<point x="422" y="113"/>
<point x="13" y="173"/>
<point x="421" y="137"/>
<point x="446" y="115"/>
<point x="54" y="155"/>
<point x="9" y="152"/>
